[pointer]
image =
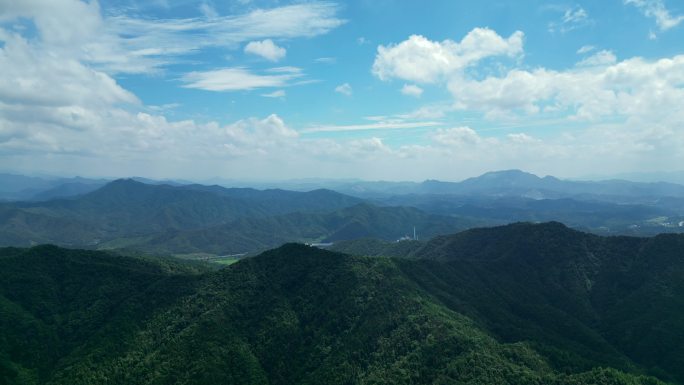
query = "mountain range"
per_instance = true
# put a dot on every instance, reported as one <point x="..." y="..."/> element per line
<point x="517" y="304"/>
<point x="177" y="218"/>
<point x="127" y="208"/>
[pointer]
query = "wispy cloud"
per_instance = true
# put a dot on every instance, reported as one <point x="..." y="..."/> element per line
<point x="239" y="78"/>
<point x="656" y="9"/>
<point x="369" y="126"/>
<point x="344" y="89"/>
<point x="208" y="11"/>
<point x="573" y="18"/>
<point x="275" y="94"/>
<point x="585" y="49"/>
<point x="117" y="42"/>
<point x="326" y="60"/>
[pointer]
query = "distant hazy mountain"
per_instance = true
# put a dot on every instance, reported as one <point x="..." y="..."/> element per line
<point x="126" y="208"/>
<point x="670" y="177"/>
<point x="497" y="183"/>
<point x="520" y="304"/>
<point x="17" y="187"/>
<point x="520" y="184"/>
<point x="66" y="190"/>
<point x="651" y="217"/>
<point x="24" y="188"/>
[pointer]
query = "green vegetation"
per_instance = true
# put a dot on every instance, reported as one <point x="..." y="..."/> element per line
<point x="250" y="234"/>
<point x="373" y="247"/>
<point x="125" y="212"/>
<point x="226" y="261"/>
<point x="520" y="304"/>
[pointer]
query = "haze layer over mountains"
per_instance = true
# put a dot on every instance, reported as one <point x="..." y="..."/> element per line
<point x="175" y="218"/>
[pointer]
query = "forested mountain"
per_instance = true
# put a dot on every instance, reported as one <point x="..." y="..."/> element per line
<point x="252" y="234"/>
<point x="24" y="188"/>
<point x="192" y="218"/>
<point x="127" y="208"/>
<point x="606" y="218"/>
<point x="575" y="296"/>
<point x="303" y="315"/>
<point x="519" y="184"/>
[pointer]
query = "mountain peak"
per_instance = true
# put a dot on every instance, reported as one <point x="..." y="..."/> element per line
<point x="508" y="174"/>
<point x="521" y="240"/>
<point x="124" y="183"/>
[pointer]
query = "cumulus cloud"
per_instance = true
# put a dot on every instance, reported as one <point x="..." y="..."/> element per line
<point x="656" y="9"/>
<point x="601" y="58"/>
<point x="456" y="136"/>
<point x="598" y="88"/>
<point x="257" y="136"/>
<point x="31" y="76"/>
<point x="344" y="89"/>
<point x="62" y="110"/>
<point x="412" y="90"/>
<point x="421" y="60"/>
<point x="522" y="138"/>
<point x="266" y="49"/>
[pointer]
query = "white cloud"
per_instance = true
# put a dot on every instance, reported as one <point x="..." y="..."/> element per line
<point x="436" y="111"/>
<point x="598" y="87"/>
<point x="606" y="89"/>
<point x="344" y="89"/>
<point x="382" y="125"/>
<point x="423" y="61"/>
<point x="326" y="60"/>
<point x="239" y="78"/>
<point x="573" y="18"/>
<point x="252" y="134"/>
<point x="208" y="11"/>
<point x="522" y="138"/>
<point x="275" y="94"/>
<point x="412" y="90"/>
<point x="601" y="58"/>
<point x="266" y="49"/>
<point x="33" y="77"/>
<point x="456" y="136"/>
<point x="656" y="9"/>
<point x="62" y="111"/>
<point x="369" y="145"/>
<point x="120" y="43"/>
<point x="585" y="49"/>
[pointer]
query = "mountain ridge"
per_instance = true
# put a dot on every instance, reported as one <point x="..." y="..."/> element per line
<point x="298" y="314"/>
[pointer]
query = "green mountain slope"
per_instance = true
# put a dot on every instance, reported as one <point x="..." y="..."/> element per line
<point x="56" y="303"/>
<point x="377" y="247"/>
<point x="251" y="234"/>
<point x="292" y="315"/>
<point x="127" y="208"/>
<point x="563" y="289"/>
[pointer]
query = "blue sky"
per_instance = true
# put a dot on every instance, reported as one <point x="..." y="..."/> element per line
<point x="383" y="89"/>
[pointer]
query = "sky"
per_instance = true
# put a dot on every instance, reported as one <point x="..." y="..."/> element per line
<point x="370" y="89"/>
